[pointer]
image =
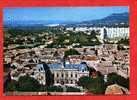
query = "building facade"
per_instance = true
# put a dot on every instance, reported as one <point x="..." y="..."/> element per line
<point x="111" y="32"/>
<point x="67" y="74"/>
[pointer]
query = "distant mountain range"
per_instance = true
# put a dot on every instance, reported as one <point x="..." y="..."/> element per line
<point x="113" y="19"/>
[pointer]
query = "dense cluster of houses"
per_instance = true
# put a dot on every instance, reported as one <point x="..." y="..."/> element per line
<point x="104" y="58"/>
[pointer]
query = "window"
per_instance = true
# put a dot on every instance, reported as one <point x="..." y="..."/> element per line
<point x="76" y="75"/>
<point x="57" y="81"/>
<point x="67" y="81"/>
<point x="71" y="82"/>
<point x="41" y="68"/>
<point x="83" y="69"/>
<point x="62" y="75"/>
<point x="57" y="75"/>
<point x="71" y="75"/>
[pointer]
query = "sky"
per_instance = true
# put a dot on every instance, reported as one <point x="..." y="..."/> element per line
<point x="60" y="13"/>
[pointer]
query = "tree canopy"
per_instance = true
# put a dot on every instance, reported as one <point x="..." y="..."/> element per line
<point x="93" y="85"/>
<point x="115" y="78"/>
<point x="26" y="83"/>
<point x="124" y="41"/>
<point x="71" y="52"/>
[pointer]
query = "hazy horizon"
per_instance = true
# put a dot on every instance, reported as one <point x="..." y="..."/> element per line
<point x="74" y="14"/>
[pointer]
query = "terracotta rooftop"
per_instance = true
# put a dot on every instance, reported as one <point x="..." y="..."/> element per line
<point x="89" y="58"/>
<point x="115" y="89"/>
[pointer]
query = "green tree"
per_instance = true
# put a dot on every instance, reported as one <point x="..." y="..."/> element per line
<point x="10" y="85"/>
<point x="124" y="41"/>
<point x="49" y="76"/>
<point x="54" y="89"/>
<point x="73" y="89"/>
<point x="93" y="85"/>
<point x="71" y="52"/>
<point x="7" y="83"/>
<point x="26" y="83"/>
<point x="97" y="86"/>
<point x="115" y="78"/>
<point x="84" y="81"/>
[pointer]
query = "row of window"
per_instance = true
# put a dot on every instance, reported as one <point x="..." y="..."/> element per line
<point x="67" y="81"/>
<point x="40" y="69"/>
<point x="66" y="75"/>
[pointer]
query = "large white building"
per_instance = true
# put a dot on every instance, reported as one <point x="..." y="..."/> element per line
<point x="112" y="32"/>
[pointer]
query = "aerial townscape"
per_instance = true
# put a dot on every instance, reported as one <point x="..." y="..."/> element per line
<point x="90" y="57"/>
